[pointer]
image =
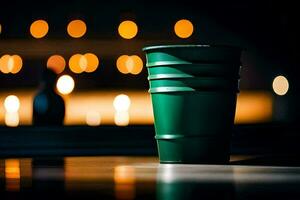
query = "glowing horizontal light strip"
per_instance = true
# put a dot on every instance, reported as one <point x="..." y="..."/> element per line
<point x="252" y="107"/>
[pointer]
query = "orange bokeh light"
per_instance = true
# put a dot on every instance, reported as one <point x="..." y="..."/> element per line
<point x="92" y="62"/>
<point x="75" y="63"/>
<point x="137" y="65"/>
<point x="128" y="29"/>
<point x="184" y="28"/>
<point x="130" y="64"/>
<point x="4" y="64"/>
<point x="39" y="28"/>
<point x="12" y="169"/>
<point x="57" y="63"/>
<point x="121" y="64"/>
<point x="10" y="64"/>
<point x="76" y="28"/>
<point x="17" y="64"/>
<point x="79" y="63"/>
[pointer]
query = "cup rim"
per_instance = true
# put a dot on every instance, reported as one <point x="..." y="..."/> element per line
<point x="186" y="76"/>
<point x="153" y="47"/>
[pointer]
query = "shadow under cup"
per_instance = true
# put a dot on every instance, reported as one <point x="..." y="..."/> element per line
<point x="193" y="90"/>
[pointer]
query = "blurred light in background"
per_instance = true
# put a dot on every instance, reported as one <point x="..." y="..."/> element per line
<point x="92" y="62"/>
<point x="57" y="63"/>
<point x="11" y="103"/>
<point x="130" y="64"/>
<point x="0" y="28"/>
<point x="93" y="118"/>
<point x="121" y="102"/>
<point x="10" y="64"/>
<point x="4" y="64"/>
<point x="12" y="119"/>
<point x="79" y="63"/>
<point x="12" y="174"/>
<point x="121" y="118"/>
<point x="252" y="107"/>
<point x="124" y="177"/>
<point x="184" y="28"/>
<point x="76" y="28"/>
<point x="65" y="84"/>
<point x="121" y="64"/>
<point x="75" y="63"/>
<point x="280" y="85"/>
<point x="128" y="29"/>
<point x="39" y="28"/>
<point x="83" y="62"/>
<point x="134" y="64"/>
<point x="12" y="169"/>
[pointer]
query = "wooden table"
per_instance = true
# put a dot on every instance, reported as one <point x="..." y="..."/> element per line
<point x="136" y="177"/>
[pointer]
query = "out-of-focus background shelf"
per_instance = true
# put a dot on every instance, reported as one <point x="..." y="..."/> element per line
<point x="24" y="141"/>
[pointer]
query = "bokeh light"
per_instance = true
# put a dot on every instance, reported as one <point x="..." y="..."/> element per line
<point x="92" y="62"/>
<point x="11" y="119"/>
<point x="124" y="174"/>
<point x="11" y="103"/>
<point x="121" y="64"/>
<point x="39" y="28"/>
<point x="12" y="169"/>
<point x="57" y="63"/>
<point x="121" y="102"/>
<point x="93" y="118"/>
<point x="125" y="179"/>
<point x="65" y="84"/>
<point x="280" y="85"/>
<point x="129" y="64"/>
<point x="136" y="64"/>
<point x="16" y="64"/>
<point x="0" y="28"/>
<point x="77" y="63"/>
<point x="4" y="64"/>
<point x="128" y="29"/>
<point x="121" y="118"/>
<point x="76" y="28"/>
<point x="10" y="64"/>
<point x="184" y="28"/>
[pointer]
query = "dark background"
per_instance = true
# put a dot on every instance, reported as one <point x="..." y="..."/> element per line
<point x="266" y="30"/>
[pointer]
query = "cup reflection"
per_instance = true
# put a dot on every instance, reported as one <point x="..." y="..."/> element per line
<point x="178" y="182"/>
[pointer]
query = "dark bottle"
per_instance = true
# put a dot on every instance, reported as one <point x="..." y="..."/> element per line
<point x="48" y="106"/>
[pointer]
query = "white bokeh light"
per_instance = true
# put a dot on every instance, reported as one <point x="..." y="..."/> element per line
<point x="11" y="103"/>
<point x="121" y="103"/>
<point x="121" y="118"/>
<point x="280" y="85"/>
<point x="65" y="84"/>
<point x="12" y="119"/>
<point x="93" y="118"/>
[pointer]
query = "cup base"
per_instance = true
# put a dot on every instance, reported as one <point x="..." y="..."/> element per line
<point x="196" y="150"/>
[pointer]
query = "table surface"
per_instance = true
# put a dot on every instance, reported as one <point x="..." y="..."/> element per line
<point x="129" y="177"/>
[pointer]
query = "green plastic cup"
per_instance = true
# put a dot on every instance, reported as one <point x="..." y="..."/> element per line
<point x="204" y="83"/>
<point x="193" y="126"/>
<point x="194" y="70"/>
<point x="191" y="54"/>
<point x="193" y="113"/>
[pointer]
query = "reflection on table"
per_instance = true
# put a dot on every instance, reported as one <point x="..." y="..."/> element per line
<point x="143" y="178"/>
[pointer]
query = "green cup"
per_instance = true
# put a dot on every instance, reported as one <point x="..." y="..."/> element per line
<point x="193" y="126"/>
<point x="193" y="114"/>
<point x="191" y="54"/>
<point x="203" y="83"/>
<point x="194" y="70"/>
